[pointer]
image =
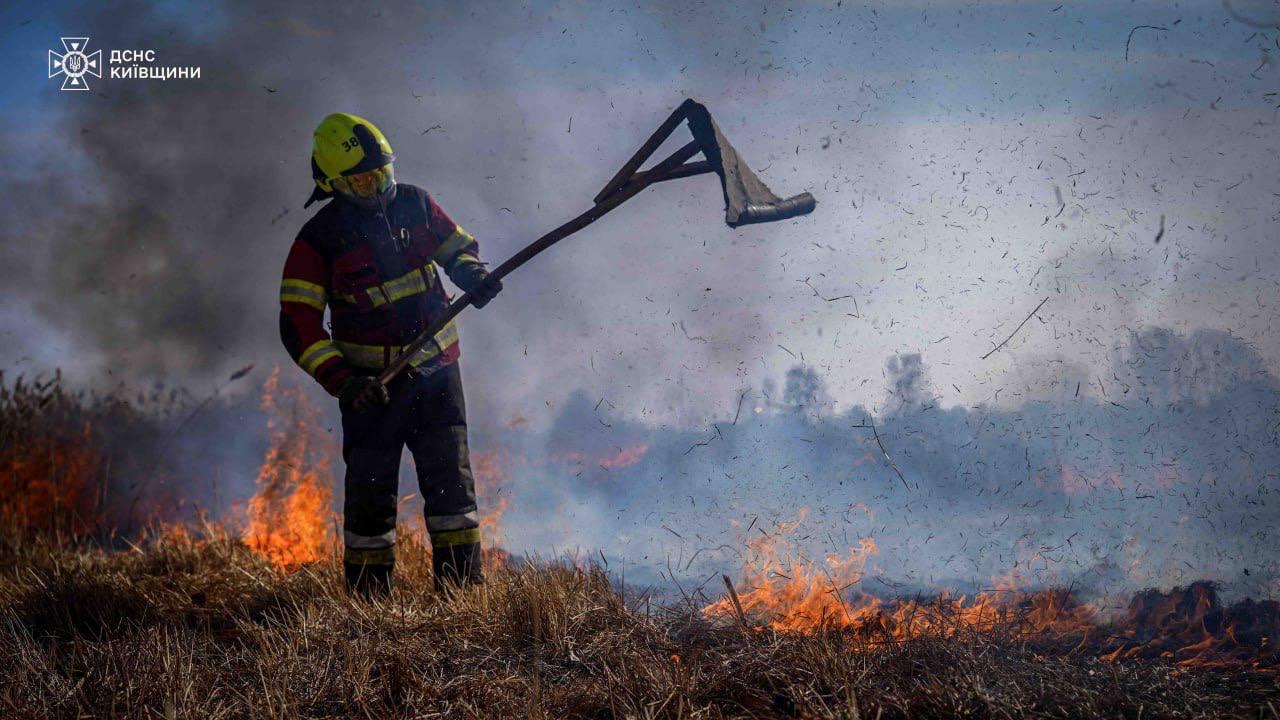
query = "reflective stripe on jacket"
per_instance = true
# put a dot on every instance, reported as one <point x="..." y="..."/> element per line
<point x="377" y="275"/>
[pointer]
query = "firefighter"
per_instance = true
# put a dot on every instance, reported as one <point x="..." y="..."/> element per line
<point x="371" y="256"/>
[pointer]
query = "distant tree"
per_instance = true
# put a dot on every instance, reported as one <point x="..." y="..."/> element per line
<point x="908" y="380"/>
<point x="805" y="390"/>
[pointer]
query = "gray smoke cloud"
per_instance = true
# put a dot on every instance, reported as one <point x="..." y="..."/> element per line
<point x="164" y="259"/>
<point x="1164" y="479"/>
<point x="970" y="160"/>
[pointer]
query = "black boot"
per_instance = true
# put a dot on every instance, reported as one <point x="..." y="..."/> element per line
<point x="369" y="581"/>
<point x="457" y="566"/>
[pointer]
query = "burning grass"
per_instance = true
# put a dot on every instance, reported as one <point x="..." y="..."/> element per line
<point x="1187" y="626"/>
<point x="290" y="517"/>
<point x="195" y="624"/>
<point x="208" y="622"/>
<point x="80" y="464"/>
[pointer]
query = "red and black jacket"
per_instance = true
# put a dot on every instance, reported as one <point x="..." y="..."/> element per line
<point x="377" y="274"/>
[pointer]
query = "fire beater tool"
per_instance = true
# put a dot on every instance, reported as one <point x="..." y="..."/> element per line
<point x="747" y="200"/>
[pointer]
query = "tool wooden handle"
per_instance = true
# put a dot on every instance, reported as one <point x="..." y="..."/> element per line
<point x="619" y="196"/>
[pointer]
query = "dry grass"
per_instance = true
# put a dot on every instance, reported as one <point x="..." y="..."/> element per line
<point x="199" y="626"/>
<point x="81" y="463"/>
<point x="206" y="629"/>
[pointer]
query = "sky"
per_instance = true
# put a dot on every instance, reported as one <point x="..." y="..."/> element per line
<point x="970" y="160"/>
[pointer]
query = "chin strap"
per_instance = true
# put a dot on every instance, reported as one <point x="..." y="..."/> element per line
<point x="316" y="196"/>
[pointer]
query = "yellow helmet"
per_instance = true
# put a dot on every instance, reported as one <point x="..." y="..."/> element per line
<point x="352" y="158"/>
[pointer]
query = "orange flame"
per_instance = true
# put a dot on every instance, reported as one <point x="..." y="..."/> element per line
<point x="48" y="480"/>
<point x="290" y="517"/>
<point x="625" y="457"/>
<point x="1187" y="626"/>
<point x="1190" y="627"/>
<point x="490" y="472"/>
<point x="794" y="593"/>
<point x="621" y="458"/>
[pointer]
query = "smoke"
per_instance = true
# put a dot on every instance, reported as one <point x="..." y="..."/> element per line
<point x="176" y="201"/>
<point x="1163" y="477"/>
<point x="660" y="375"/>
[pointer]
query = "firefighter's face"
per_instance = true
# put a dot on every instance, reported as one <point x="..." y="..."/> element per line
<point x="365" y="187"/>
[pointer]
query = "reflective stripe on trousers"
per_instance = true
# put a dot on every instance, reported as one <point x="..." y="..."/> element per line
<point x="428" y="416"/>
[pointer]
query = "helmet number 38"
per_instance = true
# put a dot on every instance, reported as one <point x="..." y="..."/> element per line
<point x="351" y="158"/>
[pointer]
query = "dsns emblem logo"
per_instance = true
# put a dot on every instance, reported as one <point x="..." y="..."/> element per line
<point x="74" y="64"/>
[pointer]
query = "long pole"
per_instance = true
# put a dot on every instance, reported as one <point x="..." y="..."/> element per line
<point x="661" y="171"/>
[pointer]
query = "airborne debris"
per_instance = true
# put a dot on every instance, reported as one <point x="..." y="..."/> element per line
<point x="1135" y="29"/>
<point x="1015" y="330"/>
<point x="871" y="423"/>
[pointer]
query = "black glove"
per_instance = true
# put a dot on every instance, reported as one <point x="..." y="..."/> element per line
<point x="362" y="394"/>
<point x="474" y="279"/>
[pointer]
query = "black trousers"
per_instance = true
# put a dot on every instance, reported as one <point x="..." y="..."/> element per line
<point x="426" y="414"/>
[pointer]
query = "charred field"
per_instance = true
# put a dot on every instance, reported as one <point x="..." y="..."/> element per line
<point x="131" y="608"/>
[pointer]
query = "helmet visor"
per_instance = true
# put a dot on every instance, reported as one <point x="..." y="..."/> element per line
<point x="365" y="185"/>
